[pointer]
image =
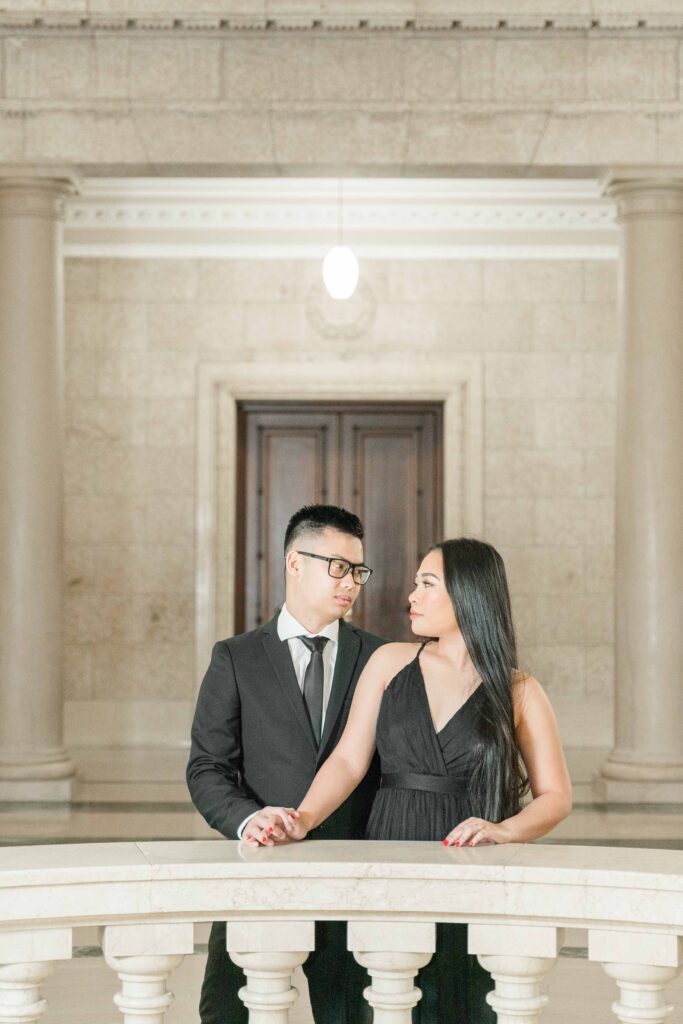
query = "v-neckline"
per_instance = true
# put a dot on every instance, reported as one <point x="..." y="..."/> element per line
<point x="437" y="732"/>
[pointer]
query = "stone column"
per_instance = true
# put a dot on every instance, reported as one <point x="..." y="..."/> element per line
<point x="642" y="964"/>
<point x="27" y="958"/>
<point x="33" y="762"/>
<point x="144" y="956"/>
<point x="518" y="957"/>
<point x="392" y="952"/>
<point x="268" y="952"/>
<point x="647" y="761"/>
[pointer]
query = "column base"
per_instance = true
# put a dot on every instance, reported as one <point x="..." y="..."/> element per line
<point x="50" y="779"/>
<point x="631" y="791"/>
<point x="632" y="777"/>
<point x="54" y="791"/>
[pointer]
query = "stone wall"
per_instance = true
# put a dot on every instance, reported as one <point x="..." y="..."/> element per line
<point x="417" y="85"/>
<point x="135" y="333"/>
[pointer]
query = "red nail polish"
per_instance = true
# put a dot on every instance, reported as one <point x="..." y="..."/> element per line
<point x="270" y="830"/>
<point x="292" y="816"/>
<point x="445" y="842"/>
<point x="458" y="843"/>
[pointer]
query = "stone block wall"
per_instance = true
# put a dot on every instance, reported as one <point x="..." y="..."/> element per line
<point x="136" y="331"/>
<point x="152" y="91"/>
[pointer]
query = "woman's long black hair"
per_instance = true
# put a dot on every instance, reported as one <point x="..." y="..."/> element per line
<point x="476" y="582"/>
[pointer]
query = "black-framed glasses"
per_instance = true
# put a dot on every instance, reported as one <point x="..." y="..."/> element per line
<point x="339" y="567"/>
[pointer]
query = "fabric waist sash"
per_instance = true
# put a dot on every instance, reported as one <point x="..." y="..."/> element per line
<point x="452" y="784"/>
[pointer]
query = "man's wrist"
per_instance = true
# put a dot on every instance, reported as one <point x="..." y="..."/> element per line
<point x="244" y="824"/>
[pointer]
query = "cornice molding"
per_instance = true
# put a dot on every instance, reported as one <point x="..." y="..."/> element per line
<point x="347" y="18"/>
<point x="382" y="218"/>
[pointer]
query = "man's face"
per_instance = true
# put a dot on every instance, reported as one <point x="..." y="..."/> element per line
<point x="308" y="578"/>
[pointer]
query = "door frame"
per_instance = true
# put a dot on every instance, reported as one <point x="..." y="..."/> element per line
<point x="456" y="381"/>
<point x="335" y="407"/>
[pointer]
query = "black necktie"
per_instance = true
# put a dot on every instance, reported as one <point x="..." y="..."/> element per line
<point x="314" y="678"/>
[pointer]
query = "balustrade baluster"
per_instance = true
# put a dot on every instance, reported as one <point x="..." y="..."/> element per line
<point x="392" y="952"/>
<point x="642" y="965"/>
<point x="518" y="958"/>
<point x="143" y="956"/>
<point x="268" y="952"/>
<point x="26" y="960"/>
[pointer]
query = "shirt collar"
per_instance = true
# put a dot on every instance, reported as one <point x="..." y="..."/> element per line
<point x="288" y="627"/>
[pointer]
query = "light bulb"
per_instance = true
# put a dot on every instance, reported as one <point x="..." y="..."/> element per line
<point x="340" y="272"/>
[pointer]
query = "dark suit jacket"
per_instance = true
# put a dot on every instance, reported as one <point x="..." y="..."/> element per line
<point x="252" y="742"/>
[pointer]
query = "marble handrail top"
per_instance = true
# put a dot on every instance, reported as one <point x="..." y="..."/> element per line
<point x="79" y="863"/>
<point x="62" y="886"/>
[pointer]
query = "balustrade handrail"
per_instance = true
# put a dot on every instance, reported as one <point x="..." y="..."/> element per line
<point x="109" y="883"/>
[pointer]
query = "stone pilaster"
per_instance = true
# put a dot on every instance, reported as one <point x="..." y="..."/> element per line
<point x="33" y="762"/>
<point x="647" y="760"/>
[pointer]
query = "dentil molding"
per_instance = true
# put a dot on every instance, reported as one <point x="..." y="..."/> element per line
<point x="424" y="218"/>
<point x="347" y="16"/>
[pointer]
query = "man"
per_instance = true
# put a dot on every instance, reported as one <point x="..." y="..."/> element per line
<point x="272" y="706"/>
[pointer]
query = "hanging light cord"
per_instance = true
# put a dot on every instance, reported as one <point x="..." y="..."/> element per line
<point x="340" y="228"/>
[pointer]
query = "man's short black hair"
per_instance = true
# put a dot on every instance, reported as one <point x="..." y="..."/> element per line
<point x="316" y="518"/>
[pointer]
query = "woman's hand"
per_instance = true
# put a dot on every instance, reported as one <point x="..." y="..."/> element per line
<point x="273" y="826"/>
<point x="477" y="832"/>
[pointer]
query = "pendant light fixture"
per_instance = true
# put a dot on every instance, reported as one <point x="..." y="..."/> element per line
<point x="340" y="266"/>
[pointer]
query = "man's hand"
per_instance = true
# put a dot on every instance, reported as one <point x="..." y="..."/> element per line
<point x="272" y="826"/>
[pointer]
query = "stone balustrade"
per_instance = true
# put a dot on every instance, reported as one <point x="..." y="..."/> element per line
<point x="517" y="899"/>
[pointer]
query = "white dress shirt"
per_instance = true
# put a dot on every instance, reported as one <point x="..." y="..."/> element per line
<point x="289" y="629"/>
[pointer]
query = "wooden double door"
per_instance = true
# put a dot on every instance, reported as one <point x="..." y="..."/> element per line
<point x="382" y="461"/>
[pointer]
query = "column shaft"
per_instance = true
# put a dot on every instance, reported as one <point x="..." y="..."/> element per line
<point x="31" y="388"/>
<point x="649" y="494"/>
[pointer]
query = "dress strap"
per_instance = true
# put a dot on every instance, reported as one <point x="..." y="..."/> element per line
<point x="422" y="647"/>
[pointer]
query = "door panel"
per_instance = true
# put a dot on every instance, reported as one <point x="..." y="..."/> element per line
<point x="288" y="461"/>
<point x="381" y="461"/>
<point x="389" y="475"/>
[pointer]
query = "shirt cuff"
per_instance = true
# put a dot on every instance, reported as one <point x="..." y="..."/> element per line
<point x="244" y="824"/>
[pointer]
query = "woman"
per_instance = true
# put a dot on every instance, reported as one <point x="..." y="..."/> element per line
<point x="461" y="734"/>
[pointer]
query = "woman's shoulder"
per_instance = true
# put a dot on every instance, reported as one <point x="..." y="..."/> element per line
<point x="389" y="659"/>
<point x="524" y="682"/>
<point x="526" y="692"/>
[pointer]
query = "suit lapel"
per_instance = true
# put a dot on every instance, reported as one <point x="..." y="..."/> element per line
<point x="278" y="653"/>
<point x="347" y="656"/>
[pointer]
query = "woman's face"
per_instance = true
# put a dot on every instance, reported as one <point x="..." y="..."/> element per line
<point x="431" y="609"/>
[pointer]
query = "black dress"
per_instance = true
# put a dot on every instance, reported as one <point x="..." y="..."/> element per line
<point x="453" y="983"/>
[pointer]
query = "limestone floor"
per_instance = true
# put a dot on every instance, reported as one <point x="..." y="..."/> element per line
<point x="140" y="794"/>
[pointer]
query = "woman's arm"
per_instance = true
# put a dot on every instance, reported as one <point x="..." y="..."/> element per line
<point x="348" y="762"/>
<point x="538" y="738"/>
<point x="350" y="759"/>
